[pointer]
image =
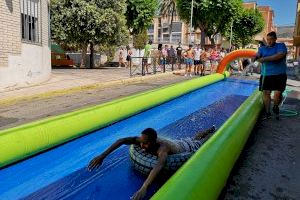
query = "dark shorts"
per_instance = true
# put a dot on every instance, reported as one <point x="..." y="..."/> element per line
<point x="179" y="59"/>
<point x="197" y="62"/>
<point x="172" y="60"/>
<point x="163" y="62"/>
<point x="145" y="60"/>
<point x="272" y="83"/>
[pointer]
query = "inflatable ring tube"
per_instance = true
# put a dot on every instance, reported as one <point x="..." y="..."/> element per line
<point x="242" y="53"/>
<point x="144" y="162"/>
<point x="32" y="138"/>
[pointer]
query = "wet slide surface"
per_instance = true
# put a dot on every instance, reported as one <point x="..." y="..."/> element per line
<point x="61" y="173"/>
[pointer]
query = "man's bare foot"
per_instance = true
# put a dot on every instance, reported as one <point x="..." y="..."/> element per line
<point x="212" y="129"/>
<point x="202" y="135"/>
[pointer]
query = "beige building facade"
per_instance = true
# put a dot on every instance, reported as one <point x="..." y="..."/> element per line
<point x="159" y="31"/>
<point x="25" y="55"/>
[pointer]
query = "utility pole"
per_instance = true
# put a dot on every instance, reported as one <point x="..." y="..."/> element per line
<point x="191" y="25"/>
<point x="230" y="41"/>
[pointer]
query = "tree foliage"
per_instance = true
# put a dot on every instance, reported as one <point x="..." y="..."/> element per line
<point x="211" y="16"/>
<point x="246" y="25"/>
<point x="168" y="9"/>
<point x="140" y="40"/>
<point x="140" y="13"/>
<point x="108" y="50"/>
<point x="79" y="22"/>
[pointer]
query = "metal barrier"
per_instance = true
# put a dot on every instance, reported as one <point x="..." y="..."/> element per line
<point x="151" y="65"/>
<point x="76" y="57"/>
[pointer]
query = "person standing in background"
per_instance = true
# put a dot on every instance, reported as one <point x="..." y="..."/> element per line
<point x="129" y="55"/>
<point x="171" y="55"/>
<point x="121" y="57"/>
<point x="203" y="58"/>
<point x="163" y="57"/>
<point x="189" y="59"/>
<point x="179" y="55"/>
<point x="214" y="57"/>
<point x="197" y="60"/>
<point x="147" y="53"/>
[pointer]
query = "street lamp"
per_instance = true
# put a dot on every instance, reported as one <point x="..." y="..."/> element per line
<point x="191" y="25"/>
<point x="131" y="35"/>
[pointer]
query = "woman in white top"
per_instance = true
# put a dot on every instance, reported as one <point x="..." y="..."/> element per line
<point x="197" y="60"/>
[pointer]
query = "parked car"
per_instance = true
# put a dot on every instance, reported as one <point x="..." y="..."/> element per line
<point x="59" y="57"/>
<point x="61" y="60"/>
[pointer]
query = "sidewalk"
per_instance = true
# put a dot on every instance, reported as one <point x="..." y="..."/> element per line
<point x="66" y="81"/>
<point x="72" y="89"/>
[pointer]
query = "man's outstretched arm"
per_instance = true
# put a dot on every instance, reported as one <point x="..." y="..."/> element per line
<point x="97" y="161"/>
<point x="275" y="57"/>
<point x="162" y="158"/>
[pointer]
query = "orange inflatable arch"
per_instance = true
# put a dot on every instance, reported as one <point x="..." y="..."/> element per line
<point x="242" y="53"/>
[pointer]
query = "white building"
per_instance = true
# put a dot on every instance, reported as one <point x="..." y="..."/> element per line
<point x="25" y="54"/>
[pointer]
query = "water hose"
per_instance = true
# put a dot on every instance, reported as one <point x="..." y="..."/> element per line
<point x="286" y="112"/>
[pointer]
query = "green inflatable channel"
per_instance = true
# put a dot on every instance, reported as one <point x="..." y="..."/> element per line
<point x="29" y="139"/>
<point x="204" y="175"/>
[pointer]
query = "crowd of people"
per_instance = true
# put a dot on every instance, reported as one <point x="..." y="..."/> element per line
<point x="197" y="60"/>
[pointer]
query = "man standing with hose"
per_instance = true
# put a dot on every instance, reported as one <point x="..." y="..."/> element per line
<point x="273" y="73"/>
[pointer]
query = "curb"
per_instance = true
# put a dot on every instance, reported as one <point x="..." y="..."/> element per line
<point x="61" y="92"/>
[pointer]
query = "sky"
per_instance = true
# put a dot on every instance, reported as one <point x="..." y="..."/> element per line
<point x="285" y="10"/>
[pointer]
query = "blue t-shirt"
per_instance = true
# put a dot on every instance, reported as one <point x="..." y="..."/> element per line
<point x="273" y="67"/>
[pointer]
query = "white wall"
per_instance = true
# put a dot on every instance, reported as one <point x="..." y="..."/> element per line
<point x="33" y="66"/>
<point x="135" y="53"/>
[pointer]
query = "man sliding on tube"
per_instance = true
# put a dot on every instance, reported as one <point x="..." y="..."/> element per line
<point x="160" y="147"/>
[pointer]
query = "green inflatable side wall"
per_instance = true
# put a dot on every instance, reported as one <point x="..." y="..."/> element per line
<point x="205" y="174"/>
<point x="26" y="140"/>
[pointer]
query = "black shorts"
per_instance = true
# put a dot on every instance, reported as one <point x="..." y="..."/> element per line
<point x="197" y="62"/>
<point x="179" y="59"/>
<point x="272" y="83"/>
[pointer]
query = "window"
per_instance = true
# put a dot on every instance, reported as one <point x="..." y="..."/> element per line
<point x="159" y="34"/>
<point x="166" y="30"/>
<point x="151" y="37"/>
<point x="159" y="22"/>
<point x="176" y="26"/>
<point x="166" y="38"/>
<point x="165" y="27"/>
<point x="151" y="29"/>
<point x="176" y="37"/>
<point x="30" y="14"/>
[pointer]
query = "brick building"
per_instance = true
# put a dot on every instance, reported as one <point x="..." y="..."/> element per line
<point x="297" y="32"/>
<point x="25" y="55"/>
<point x="268" y="15"/>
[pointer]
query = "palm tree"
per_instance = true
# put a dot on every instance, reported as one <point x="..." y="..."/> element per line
<point x="168" y="9"/>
